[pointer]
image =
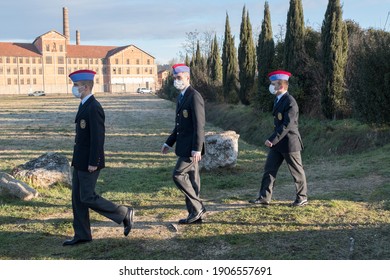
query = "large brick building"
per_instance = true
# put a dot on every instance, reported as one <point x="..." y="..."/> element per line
<point x="46" y="63"/>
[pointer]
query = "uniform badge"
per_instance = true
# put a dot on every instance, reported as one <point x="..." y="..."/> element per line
<point x="280" y="117"/>
<point x="83" y="124"/>
<point x="185" y="113"/>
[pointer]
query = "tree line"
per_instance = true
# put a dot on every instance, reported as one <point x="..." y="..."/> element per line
<point x="340" y="71"/>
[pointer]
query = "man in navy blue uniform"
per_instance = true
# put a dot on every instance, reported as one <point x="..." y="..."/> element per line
<point x="188" y="135"/>
<point x="88" y="160"/>
<point x="285" y="142"/>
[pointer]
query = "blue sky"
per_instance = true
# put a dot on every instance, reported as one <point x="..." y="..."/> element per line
<point x="159" y="27"/>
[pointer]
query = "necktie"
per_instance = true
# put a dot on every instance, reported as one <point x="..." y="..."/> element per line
<point x="275" y="102"/>
<point x="181" y="98"/>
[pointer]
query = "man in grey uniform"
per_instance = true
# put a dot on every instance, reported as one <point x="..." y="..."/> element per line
<point x="188" y="135"/>
<point x="88" y="160"/>
<point x="285" y="143"/>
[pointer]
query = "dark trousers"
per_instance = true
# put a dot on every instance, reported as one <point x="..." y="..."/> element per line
<point x="294" y="164"/>
<point x="187" y="179"/>
<point x="85" y="198"/>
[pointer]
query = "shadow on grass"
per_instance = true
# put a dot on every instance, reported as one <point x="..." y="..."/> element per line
<point x="361" y="243"/>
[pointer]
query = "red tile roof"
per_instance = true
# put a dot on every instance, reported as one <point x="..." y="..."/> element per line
<point x="88" y="51"/>
<point x="18" y="49"/>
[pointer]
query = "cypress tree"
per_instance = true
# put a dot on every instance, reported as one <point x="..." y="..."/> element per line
<point x="229" y="66"/>
<point x="215" y="62"/>
<point x="265" y="57"/>
<point x="187" y="60"/>
<point x="334" y="38"/>
<point x="295" y="33"/>
<point x="246" y="60"/>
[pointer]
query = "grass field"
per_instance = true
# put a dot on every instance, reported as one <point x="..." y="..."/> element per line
<point x="347" y="218"/>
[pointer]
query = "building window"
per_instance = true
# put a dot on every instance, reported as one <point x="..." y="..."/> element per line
<point x="49" y="60"/>
<point x="39" y="60"/>
<point x="8" y="70"/>
<point x="9" y="81"/>
<point x="20" y="60"/>
<point x="8" y="60"/>
<point x="61" y="48"/>
<point x="34" y="81"/>
<point x="61" y="60"/>
<point x="138" y="71"/>
<point x="146" y="70"/>
<point x="148" y="61"/>
<point x="15" y="71"/>
<point x="120" y="71"/>
<point x="40" y="71"/>
<point x="137" y="61"/>
<point x="22" y="81"/>
<point x="27" y="60"/>
<point x="150" y="71"/>
<point x="116" y="61"/>
<point x="33" y="60"/>
<point x="128" y="61"/>
<point x="114" y="71"/>
<point x="97" y="81"/>
<point x="21" y="71"/>
<point x="75" y="61"/>
<point x="80" y="61"/>
<point x="28" y="71"/>
<point x="90" y="61"/>
<point x="86" y="61"/>
<point x="28" y="81"/>
<point x="34" y="71"/>
<point x="69" y="61"/>
<point x="15" y="60"/>
<point x="61" y="71"/>
<point x="1" y="70"/>
<point x="97" y="61"/>
<point x="47" y="48"/>
<point x="1" y="60"/>
<point x="128" y="71"/>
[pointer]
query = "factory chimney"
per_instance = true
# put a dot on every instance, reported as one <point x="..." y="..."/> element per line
<point x="77" y="37"/>
<point x="66" y="24"/>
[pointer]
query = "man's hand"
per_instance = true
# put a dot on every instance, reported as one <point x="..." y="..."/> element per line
<point x="164" y="149"/>
<point x="197" y="156"/>
<point x="268" y="144"/>
<point x="92" y="168"/>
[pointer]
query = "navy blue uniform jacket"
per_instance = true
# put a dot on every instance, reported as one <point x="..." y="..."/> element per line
<point x="188" y="133"/>
<point x="286" y="137"/>
<point x="90" y="131"/>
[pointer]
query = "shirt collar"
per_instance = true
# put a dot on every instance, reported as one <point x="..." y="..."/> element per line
<point x="184" y="90"/>
<point x="281" y="95"/>
<point x="86" y="98"/>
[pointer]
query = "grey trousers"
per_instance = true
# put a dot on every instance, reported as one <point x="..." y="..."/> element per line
<point x="294" y="164"/>
<point x="187" y="179"/>
<point x="85" y="198"/>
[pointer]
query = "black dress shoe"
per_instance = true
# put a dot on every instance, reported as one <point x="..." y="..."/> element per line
<point x="128" y="221"/>
<point x="259" y="200"/>
<point x="185" y="221"/>
<point x="195" y="217"/>
<point x="75" y="241"/>
<point x="299" y="202"/>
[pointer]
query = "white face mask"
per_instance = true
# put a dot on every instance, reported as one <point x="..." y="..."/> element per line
<point x="75" y="91"/>
<point x="179" y="84"/>
<point x="272" y="89"/>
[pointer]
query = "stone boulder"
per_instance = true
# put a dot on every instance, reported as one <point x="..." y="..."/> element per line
<point x="45" y="171"/>
<point x="11" y="187"/>
<point x="221" y="150"/>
